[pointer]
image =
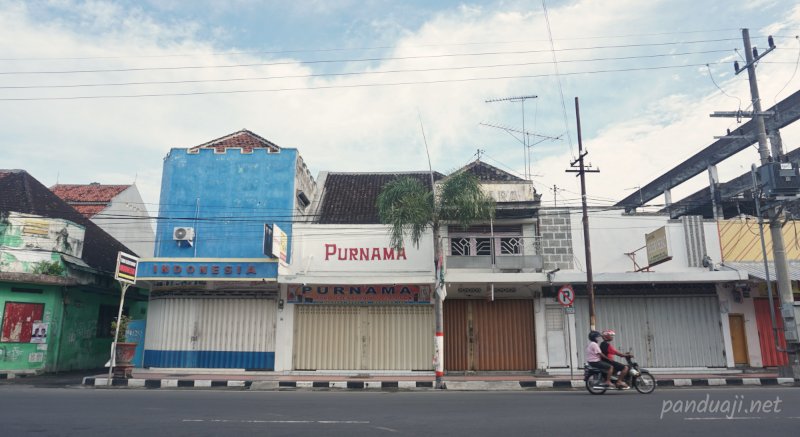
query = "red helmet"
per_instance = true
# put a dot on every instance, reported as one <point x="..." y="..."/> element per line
<point x="608" y="334"/>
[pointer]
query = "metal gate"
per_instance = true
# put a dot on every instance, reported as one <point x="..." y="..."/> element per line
<point x="663" y="331"/>
<point x="338" y="337"/>
<point x="211" y="333"/>
<point x="482" y="335"/>
<point x="770" y="357"/>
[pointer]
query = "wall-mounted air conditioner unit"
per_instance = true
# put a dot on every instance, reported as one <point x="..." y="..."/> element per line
<point x="180" y="233"/>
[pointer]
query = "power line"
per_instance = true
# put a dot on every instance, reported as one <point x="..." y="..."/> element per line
<point x="353" y="49"/>
<point x="375" y="59"/>
<point x="323" y="87"/>
<point x="359" y="73"/>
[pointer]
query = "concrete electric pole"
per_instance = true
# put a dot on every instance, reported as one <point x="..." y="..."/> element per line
<point x="582" y="170"/>
<point x="774" y="212"/>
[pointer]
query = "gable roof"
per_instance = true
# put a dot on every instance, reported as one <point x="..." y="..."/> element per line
<point x="88" y="199"/>
<point x="488" y="173"/>
<point x="243" y="139"/>
<point x="21" y="192"/>
<point x="351" y="198"/>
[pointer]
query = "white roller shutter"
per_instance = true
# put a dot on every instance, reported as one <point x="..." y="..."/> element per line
<point x="663" y="331"/>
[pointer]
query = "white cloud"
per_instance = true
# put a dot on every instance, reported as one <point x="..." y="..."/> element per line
<point x="636" y="124"/>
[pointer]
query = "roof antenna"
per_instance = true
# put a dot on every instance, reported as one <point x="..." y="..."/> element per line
<point x="427" y="152"/>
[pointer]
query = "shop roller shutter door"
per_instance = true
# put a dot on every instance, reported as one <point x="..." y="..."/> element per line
<point x="663" y="331"/>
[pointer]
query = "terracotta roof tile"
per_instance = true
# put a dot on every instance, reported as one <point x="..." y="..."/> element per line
<point x="244" y="139"/>
<point x="88" y="199"/>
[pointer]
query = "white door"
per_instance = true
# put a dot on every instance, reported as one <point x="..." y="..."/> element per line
<point x="556" y="336"/>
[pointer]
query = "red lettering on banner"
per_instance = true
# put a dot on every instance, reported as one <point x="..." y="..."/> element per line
<point x="388" y="253"/>
<point x="251" y="270"/>
<point x="353" y="254"/>
<point x="330" y="249"/>
<point x="203" y="270"/>
<point x="402" y="254"/>
<point x="177" y="270"/>
<point x="363" y="253"/>
<point x="164" y="268"/>
<point x="190" y="269"/>
<point x="155" y="268"/>
<point x="228" y="270"/>
<point x="376" y="253"/>
<point x="214" y="270"/>
<point x="238" y="270"/>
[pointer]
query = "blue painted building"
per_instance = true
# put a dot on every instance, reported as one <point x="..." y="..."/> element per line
<point x="225" y="222"/>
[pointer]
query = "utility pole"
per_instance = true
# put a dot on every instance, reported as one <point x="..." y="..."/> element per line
<point x="774" y="212"/>
<point x="582" y="170"/>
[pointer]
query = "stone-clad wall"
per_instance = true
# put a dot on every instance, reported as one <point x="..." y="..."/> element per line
<point x="556" y="237"/>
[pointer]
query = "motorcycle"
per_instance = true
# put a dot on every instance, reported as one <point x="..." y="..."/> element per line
<point x="640" y="379"/>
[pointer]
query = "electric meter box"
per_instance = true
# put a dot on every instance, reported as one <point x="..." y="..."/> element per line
<point x="780" y="179"/>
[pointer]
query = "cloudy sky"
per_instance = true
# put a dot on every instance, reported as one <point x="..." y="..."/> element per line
<point x="101" y="90"/>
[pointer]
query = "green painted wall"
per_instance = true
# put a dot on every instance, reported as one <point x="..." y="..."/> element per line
<point x="73" y="341"/>
<point x="31" y="356"/>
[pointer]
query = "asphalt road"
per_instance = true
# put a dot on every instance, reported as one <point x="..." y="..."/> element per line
<point x="148" y="413"/>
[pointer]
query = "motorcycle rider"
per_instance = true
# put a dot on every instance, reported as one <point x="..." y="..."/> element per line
<point x="595" y="357"/>
<point x="609" y="351"/>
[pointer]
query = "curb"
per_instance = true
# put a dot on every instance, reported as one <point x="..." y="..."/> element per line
<point x="417" y="385"/>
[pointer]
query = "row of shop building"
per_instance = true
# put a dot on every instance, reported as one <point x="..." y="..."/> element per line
<point x="339" y="298"/>
<point x="259" y="266"/>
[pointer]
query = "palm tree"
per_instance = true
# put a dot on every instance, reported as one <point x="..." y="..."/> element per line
<point x="408" y="207"/>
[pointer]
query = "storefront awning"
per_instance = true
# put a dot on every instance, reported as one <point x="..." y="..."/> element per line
<point x="756" y="269"/>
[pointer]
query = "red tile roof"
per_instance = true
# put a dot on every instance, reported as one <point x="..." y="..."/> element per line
<point x="244" y="139"/>
<point x="88" y="199"/>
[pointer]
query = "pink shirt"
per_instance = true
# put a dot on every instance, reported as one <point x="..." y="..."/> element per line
<point x="593" y="352"/>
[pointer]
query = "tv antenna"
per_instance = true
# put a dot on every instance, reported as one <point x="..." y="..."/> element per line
<point x="521" y="100"/>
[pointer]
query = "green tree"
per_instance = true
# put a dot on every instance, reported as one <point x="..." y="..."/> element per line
<point x="409" y="208"/>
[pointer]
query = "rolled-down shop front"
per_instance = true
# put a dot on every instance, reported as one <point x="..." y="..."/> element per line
<point x="211" y="313"/>
<point x="489" y="327"/>
<point x="664" y="325"/>
<point x="359" y="304"/>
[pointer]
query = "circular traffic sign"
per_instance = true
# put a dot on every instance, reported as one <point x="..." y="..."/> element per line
<point x="566" y="295"/>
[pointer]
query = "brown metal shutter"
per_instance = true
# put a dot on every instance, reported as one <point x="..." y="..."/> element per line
<point x="502" y="335"/>
<point x="456" y="340"/>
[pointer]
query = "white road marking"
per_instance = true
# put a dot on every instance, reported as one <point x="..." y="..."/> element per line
<point x="385" y="429"/>
<point x="327" y="422"/>
<point x="721" y="418"/>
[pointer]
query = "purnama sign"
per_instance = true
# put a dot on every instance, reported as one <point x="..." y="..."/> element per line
<point x="360" y="294"/>
<point x="127" y="266"/>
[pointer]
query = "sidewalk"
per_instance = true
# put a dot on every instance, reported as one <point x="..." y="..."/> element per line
<point x="204" y="378"/>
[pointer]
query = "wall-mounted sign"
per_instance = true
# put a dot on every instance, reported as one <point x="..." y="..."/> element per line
<point x="280" y="243"/>
<point x="359" y="251"/>
<point x="208" y="270"/>
<point x="359" y="294"/>
<point x="657" y="246"/>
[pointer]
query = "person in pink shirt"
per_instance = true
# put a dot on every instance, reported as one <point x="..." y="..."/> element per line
<point x="595" y="357"/>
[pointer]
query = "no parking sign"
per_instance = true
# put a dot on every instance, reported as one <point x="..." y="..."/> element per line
<point x="566" y="295"/>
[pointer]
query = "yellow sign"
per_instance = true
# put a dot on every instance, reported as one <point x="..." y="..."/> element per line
<point x="657" y="246"/>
